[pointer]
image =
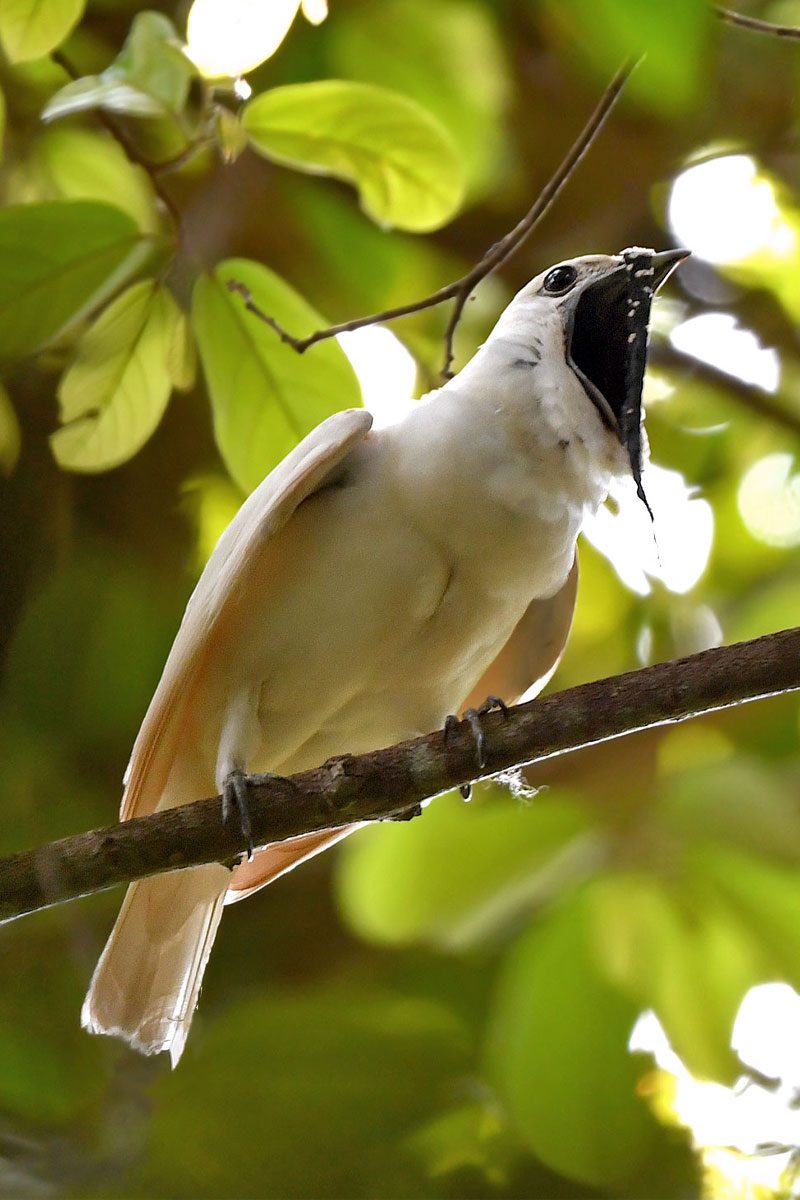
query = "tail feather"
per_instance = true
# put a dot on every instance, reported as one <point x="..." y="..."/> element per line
<point x="146" y="984"/>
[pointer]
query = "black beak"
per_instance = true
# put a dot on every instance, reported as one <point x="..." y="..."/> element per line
<point x="607" y="343"/>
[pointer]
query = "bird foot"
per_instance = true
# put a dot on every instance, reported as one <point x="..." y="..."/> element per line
<point x="234" y="800"/>
<point x="473" y="718"/>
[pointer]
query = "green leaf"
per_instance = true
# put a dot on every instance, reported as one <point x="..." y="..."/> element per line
<point x="419" y="49"/>
<point x="557" y="1050"/>
<point x="32" y="28"/>
<point x="150" y="77"/>
<point x="231" y="136"/>
<point x="265" y="396"/>
<point x="401" y="160"/>
<point x="460" y="874"/>
<point x="330" y="1051"/>
<point x="81" y="164"/>
<point x="763" y="897"/>
<point x="114" y="394"/>
<point x="57" y="261"/>
<point x="2" y="125"/>
<point x="682" y="955"/>
<point x="671" y="34"/>
<point x="473" y="1136"/>
<point x="10" y="435"/>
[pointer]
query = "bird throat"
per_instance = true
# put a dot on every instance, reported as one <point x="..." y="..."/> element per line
<point x="607" y="349"/>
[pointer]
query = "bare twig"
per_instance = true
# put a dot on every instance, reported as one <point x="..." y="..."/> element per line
<point x="131" y="150"/>
<point x="662" y="354"/>
<point x="461" y="289"/>
<point x="393" y="782"/>
<point x="756" y="24"/>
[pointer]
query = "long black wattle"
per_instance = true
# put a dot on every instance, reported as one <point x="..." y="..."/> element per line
<point x="608" y="346"/>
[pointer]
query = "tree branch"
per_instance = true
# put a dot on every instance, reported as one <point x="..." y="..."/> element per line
<point x="756" y="24"/>
<point x="391" y="783"/>
<point x="774" y="409"/>
<point x="461" y="289"/>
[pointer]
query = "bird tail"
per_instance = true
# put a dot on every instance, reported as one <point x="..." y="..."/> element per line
<point x="146" y="984"/>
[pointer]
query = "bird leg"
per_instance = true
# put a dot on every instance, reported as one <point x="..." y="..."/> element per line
<point x="234" y="799"/>
<point x="473" y="718"/>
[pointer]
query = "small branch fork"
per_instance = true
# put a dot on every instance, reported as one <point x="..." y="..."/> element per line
<point x="120" y="136"/>
<point x="461" y="289"/>
<point x="393" y="782"/>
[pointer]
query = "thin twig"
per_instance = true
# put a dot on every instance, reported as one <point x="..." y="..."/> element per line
<point x="131" y="150"/>
<point x="756" y="24"/>
<point x="663" y="355"/>
<point x="461" y="289"/>
<point x="393" y="782"/>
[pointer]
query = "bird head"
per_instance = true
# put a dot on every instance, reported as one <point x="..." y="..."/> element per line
<point x="597" y="308"/>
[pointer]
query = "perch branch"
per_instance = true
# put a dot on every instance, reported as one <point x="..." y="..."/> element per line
<point x="393" y="782"/>
<point x="460" y="289"/>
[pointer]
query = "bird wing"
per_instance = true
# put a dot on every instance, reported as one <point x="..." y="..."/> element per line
<point x="528" y="659"/>
<point x="532" y="653"/>
<point x="239" y="551"/>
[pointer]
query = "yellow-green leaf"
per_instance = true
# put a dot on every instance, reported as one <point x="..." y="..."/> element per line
<point x="463" y="873"/>
<point x="10" y="436"/>
<point x="32" y="28"/>
<point x="57" y="261"/>
<point x="400" y="158"/>
<point x="82" y="164"/>
<point x="115" y="393"/>
<point x="558" y="1055"/>
<point x="265" y="396"/>
<point x="681" y="955"/>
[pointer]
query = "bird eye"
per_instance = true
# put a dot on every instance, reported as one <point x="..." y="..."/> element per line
<point x="559" y="280"/>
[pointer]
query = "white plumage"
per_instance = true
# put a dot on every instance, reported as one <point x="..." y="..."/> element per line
<point x="363" y="592"/>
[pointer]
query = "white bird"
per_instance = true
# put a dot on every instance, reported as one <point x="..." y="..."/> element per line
<point x="370" y="585"/>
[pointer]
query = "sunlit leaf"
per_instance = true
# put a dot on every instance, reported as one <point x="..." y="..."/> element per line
<point x="150" y="77"/>
<point x="32" y="28"/>
<point x="82" y="164"/>
<point x="57" y="261"/>
<point x="763" y="896"/>
<point x="672" y="34"/>
<point x="419" y="49"/>
<point x="114" y="394"/>
<point x="182" y="356"/>
<point x="10" y="435"/>
<point x="231" y="136"/>
<point x="463" y="872"/>
<point x="401" y="160"/>
<point x="681" y="956"/>
<point x="264" y="395"/>
<point x="558" y="1052"/>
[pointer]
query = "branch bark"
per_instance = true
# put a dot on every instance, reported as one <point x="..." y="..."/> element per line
<point x="461" y="289"/>
<point x="391" y="783"/>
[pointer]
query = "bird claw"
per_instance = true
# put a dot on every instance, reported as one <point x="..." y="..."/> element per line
<point x="234" y="799"/>
<point x="473" y="718"/>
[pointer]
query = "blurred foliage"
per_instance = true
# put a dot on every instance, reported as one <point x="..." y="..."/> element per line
<point x="451" y="1017"/>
